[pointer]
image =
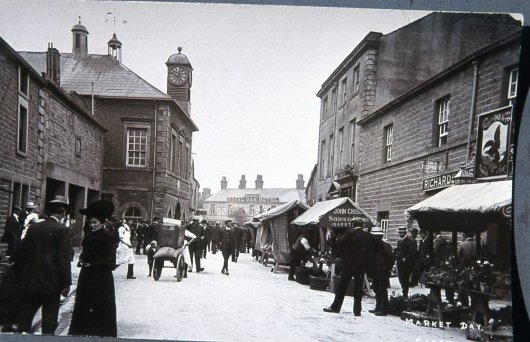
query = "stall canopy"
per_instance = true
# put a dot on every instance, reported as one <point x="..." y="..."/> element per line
<point x="281" y="209"/>
<point x="468" y="207"/>
<point x="278" y="231"/>
<point x="335" y="213"/>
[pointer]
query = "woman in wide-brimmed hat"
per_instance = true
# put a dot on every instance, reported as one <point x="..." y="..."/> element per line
<point x="95" y="303"/>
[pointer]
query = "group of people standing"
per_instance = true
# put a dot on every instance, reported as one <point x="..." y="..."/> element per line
<point x="229" y="238"/>
<point x="42" y="252"/>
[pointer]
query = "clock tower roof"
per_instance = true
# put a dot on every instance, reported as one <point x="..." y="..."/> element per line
<point x="178" y="58"/>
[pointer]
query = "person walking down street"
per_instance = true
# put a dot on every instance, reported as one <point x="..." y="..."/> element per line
<point x="43" y="268"/>
<point x="12" y="232"/>
<point x="407" y="251"/>
<point x="151" y="251"/>
<point x="94" y="311"/>
<point x="140" y="230"/>
<point x="357" y="249"/>
<point x="216" y="237"/>
<point x="227" y="244"/>
<point x="237" y="241"/>
<point x="300" y="252"/>
<point x="195" y="246"/>
<point x="207" y="237"/>
<point x="124" y="252"/>
<point x="384" y="261"/>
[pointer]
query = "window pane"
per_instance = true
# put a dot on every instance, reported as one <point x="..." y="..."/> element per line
<point x="22" y="128"/>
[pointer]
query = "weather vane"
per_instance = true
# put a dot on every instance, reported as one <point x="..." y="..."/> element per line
<point x="113" y="13"/>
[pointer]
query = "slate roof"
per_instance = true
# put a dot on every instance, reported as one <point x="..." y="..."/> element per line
<point x="110" y="77"/>
<point x="284" y="195"/>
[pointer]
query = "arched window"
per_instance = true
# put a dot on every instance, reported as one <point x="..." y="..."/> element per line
<point x="133" y="214"/>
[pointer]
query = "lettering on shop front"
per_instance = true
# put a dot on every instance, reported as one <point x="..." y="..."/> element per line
<point x="343" y="218"/>
<point x="438" y="182"/>
<point x="253" y="199"/>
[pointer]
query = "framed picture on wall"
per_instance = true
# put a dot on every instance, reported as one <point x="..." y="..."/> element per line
<point x="493" y="143"/>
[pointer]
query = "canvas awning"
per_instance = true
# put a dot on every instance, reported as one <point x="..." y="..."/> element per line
<point x="279" y="210"/>
<point x="335" y="213"/>
<point x="468" y="207"/>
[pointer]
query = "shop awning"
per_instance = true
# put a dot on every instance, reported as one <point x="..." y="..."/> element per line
<point x="335" y="213"/>
<point x="279" y="210"/>
<point x="466" y="207"/>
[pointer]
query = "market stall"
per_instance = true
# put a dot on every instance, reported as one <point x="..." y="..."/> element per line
<point x="482" y="210"/>
<point x="335" y="215"/>
<point x="282" y="233"/>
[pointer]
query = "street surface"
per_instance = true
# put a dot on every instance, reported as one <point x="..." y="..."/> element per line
<point x="251" y="304"/>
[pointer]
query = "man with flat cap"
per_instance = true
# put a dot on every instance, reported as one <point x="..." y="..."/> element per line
<point x="43" y="267"/>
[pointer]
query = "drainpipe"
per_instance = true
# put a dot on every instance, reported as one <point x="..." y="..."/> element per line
<point x="154" y="163"/>
<point x="473" y="105"/>
<point x="92" y="109"/>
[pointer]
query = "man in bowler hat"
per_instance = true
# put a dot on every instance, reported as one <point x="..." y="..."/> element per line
<point x="43" y="267"/>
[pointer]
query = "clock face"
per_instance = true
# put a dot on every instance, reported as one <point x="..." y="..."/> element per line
<point x="177" y="75"/>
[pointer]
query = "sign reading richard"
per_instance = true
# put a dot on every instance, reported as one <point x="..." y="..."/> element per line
<point x="343" y="217"/>
<point x="438" y="182"/>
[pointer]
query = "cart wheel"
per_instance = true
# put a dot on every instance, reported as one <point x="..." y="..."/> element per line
<point x="157" y="269"/>
<point x="180" y="265"/>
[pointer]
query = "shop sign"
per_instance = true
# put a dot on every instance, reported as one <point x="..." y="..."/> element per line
<point x="493" y="143"/>
<point x="438" y="182"/>
<point x="347" y="185"/>
<point x="253" y="198"/>
<point x="343" y="217"/>
<point x="431" y="166"/>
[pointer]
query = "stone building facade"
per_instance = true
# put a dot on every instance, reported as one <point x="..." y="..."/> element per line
<point x="353" y="159"/>
<point x="422" y="160"/>
<point x="50" y="145"/>
<point x="242" y="203"/>
<point x="147" y="165"/>
<point x="381" y="68"/>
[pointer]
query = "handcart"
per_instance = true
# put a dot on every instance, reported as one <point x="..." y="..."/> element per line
<point x="171" y="240"/>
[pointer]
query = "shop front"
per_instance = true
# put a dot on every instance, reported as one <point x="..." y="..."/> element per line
<point x="482" y="213"/>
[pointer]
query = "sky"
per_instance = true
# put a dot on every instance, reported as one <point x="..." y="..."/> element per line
<point x="257" y="69"/>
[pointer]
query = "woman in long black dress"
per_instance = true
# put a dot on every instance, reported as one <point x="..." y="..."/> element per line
<point x="95" y="303"/>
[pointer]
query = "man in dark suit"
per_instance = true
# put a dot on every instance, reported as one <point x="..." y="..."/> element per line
<point x="12" y="231"/>
<point x="357" y="249"/>
<point x="227" y="241"/>
<point x="422" y="261"/>
<point x="384" y="260"/>
<point x="140" y="230"/>
<point x="43" y="267"/>
<point x="196" y="246"/>
<point x="407" y="251"/>
<point x="237" y="241"/>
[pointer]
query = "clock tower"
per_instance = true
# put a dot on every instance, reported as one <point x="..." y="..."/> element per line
<point x="179" y="72"/>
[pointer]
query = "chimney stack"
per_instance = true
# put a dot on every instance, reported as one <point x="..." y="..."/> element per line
<point x="206" y="192"/>
<point x="259" y="182"/>
<point x="223" y="183"/>
<point x="242" y="182"/>
<point x="300" y="182"/>
<point x="53" y="64"/>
